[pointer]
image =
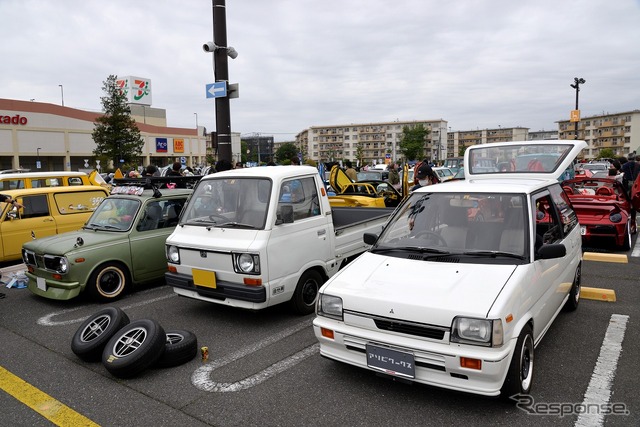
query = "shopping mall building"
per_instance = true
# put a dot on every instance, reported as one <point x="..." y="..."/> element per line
<point x="55" y="137"/>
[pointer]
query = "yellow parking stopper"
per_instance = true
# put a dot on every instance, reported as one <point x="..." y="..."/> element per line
<point x="596" y="256"/>
<point x="598" y="294"/>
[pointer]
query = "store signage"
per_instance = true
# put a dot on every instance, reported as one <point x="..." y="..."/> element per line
<point x="161" y="145"/>
<point x="178" y="145"/>
<point x="13" y="120"/>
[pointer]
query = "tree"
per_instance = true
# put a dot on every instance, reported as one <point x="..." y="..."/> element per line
<point x="115" y="133"/>
<point x="606" y="153"/>
<point x="360" y="153"/>
<point x="286" y="152"/>
<point x="412" y="142"/>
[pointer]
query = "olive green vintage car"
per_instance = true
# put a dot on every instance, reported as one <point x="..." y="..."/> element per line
<point x="120" y="246"/>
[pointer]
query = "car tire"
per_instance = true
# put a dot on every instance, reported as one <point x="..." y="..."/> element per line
<point x="626" y="244"/>
<point x="180" y="347"/>
<point x="306" y="293"/>
<point x="89" y="340"/>
<point x="134" y="348"/>
<point x="520" y="374"/>
<point x="574" y="293"/>
<point x="108" y="281"/>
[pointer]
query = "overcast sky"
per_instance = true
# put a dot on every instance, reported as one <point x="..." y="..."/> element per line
<point x="302" y="63"/>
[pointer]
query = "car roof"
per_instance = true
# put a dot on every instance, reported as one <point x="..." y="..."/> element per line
<point x="271" y="172"/>
<point x="486" y="185"/>
<point x="16" y="175"/>
<point x="57" y="189"/>
<point x="564" y="151"/>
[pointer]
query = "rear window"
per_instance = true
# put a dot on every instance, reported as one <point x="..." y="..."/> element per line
<point x="78" y="202"/>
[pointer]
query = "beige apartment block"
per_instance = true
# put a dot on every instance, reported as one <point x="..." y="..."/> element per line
<point x="620" y="132"/>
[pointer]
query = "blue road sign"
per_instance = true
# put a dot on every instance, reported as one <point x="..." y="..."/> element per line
<point x="217" y="90"/>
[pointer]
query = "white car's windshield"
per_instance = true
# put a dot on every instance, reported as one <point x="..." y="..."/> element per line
<point x="459" y="223"/>
<point x="229" y="202"/>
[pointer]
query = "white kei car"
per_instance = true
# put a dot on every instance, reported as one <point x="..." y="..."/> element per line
<point x="444" y="299"/>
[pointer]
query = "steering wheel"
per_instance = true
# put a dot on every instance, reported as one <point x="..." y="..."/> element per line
<point x="432" y="236"/>
<point x="113" y="220"/>
<point x="217" y="216"/>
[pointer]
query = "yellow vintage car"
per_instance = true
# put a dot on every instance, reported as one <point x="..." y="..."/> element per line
<point x="368" y="193"/>
<point x="46" y="211"/>
<point x="21" y="180"/>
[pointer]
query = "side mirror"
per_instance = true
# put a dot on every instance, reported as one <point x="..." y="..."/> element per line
<point x="551" y="251"/>
<point x="369" y="238"/>
<point x="286" y="215"/>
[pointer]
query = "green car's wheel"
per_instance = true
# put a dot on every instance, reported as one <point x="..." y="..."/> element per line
<point x="109" y="281"/>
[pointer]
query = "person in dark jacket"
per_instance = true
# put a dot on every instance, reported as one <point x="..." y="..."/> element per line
<point x="425" y="176"/>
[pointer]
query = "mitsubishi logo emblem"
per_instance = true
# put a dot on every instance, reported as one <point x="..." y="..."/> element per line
<point x="391" y="311"/>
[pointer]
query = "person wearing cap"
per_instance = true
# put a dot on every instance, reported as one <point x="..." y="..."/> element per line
<point x="8" y="199"/>
<point x="425" y="176"/>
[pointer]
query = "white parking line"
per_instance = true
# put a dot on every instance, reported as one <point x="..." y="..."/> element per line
<point x="636" y="249"/>
<point x="201" y="378"/>
<point x="46" y="320"/>
<point x="598" y="392"/>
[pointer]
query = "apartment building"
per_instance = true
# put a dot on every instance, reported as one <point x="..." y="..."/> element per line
<point x="374" y="143"/>
<point x="620" y="132"/>
<point x="458" y="141"/>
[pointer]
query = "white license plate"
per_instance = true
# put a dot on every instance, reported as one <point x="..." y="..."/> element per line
<point x="583" y="230"/>
<point x="41" y="283"/>
<point x="390" y="361"/>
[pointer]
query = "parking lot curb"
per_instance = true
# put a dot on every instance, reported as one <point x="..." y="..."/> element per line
<point x="596" y="256"/>
<point x="598" y="294"/>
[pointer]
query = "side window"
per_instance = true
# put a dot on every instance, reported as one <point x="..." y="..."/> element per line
<point x="75" y="180"/>
<point x="302" y="195"/>
<point x="568" y="216"/>
<point x="151" y="218"/>
<point x="35" y="206"/>
<point x="548" y="228"/>
<point x="78" y="201"/>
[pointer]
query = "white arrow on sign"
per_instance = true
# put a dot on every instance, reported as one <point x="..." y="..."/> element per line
<point x="217" y="90"/>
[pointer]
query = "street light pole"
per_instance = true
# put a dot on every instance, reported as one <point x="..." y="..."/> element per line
<point x="196" y="114"/>
<point x="221" y="73"/>
<point x="577" y="81"/>
<point x="38" y="164"/>
<point x="62" y="94"/>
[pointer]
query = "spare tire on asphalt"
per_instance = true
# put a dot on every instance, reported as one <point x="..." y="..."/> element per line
<point x="134" y="348"/>
<point x="180" y="347"/>
<point x="89" y="340"/>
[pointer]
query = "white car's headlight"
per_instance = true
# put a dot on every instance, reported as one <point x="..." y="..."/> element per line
<point x="484" y="332"/>
<point x="173" y="255"/>
<point x="244" y="263"/>
<point x="329" y="306"/>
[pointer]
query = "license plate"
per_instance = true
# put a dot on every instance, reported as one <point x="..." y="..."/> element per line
<point x="41" y="283"/>
<point x="204" y="278"/>
<point x="583" y="230"/>
<point x="390" y="361"/>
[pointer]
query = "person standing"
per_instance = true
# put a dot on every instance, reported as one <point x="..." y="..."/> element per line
<point x="425" y="176"/>
<point x="394" y="176"/>
<point x="350" y="171"/>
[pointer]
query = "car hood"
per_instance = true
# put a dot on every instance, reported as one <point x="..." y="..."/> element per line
<point x="68" y="242"/>
<point x="418" y="291"/>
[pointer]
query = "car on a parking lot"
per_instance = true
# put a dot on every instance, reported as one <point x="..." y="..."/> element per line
<point x="120" y="246"/>
<point x="604" y="209"/>
<point x="46" y="211"/>
<point x="460" y="304"/>
<point x="445" y="174"/>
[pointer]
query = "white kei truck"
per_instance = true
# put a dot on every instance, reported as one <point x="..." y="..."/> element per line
<point x="256" y="237"/>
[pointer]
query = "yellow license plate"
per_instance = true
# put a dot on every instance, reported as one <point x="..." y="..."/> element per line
<point x="204" y="278"/>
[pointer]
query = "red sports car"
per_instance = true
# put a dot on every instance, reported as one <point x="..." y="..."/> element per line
<point x="603" y="209"/>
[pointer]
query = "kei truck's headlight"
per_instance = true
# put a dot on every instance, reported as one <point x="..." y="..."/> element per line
<point x="173" y="255"/>
<point x="330" y="306"/>
<point x="484" y="332"/>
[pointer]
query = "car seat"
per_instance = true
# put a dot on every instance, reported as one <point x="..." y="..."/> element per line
<point x="512" y="237"/>
<point x="455" y="233"/>
<point x="604" y="191"/>
<point x="152" y="218"/>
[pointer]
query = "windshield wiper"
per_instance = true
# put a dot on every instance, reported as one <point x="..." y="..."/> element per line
<point x="410" y="249"/>
<point x="235" y="224"/>
<point x="494" y="254"/>
<point x="93" y="226"/>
